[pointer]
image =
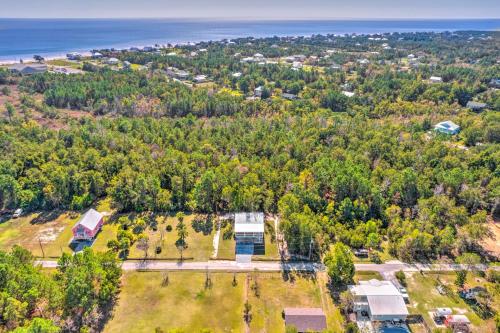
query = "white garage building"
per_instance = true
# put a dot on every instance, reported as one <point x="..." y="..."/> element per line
<point x="381" y="300"/>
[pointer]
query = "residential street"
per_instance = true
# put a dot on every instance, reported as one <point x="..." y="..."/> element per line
<point x="271" y="266"/>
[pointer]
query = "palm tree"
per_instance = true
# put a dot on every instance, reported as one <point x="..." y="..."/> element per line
<point x="182" y="231"/>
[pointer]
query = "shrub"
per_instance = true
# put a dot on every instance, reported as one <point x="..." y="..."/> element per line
<point x="168" y="228"/>
<point x="400" y="275"/>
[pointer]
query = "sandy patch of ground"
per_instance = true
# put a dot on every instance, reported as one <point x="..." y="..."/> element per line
<point x="49" y="234"/>
<point x="492" y="244"/>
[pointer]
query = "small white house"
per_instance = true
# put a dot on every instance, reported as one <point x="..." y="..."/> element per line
<point x="348" y="93"/>
<point x="112" y="61"/>
<point x="447" y="127"/>
<point x="73" y="56"/>
<point x="249" y="227"/>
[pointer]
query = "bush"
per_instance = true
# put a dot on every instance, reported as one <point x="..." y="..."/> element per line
<point x="351" y="328"/>
<point x="400" y="275"/>
<point x="168" y="228"/>
<point x="158" y="250"/>
<point x="493" y="275"/>
<point x="375" y="257"/>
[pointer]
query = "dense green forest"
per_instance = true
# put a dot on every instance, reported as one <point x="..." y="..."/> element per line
<point x="76" y="298"/>
<point x="336" y="168"/>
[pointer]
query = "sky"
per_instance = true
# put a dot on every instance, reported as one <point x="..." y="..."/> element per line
<point x="251" y="9"/>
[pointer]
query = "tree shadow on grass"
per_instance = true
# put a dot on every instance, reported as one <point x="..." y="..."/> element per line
<point x="45" y="217"/>
<point x="203" y="224"/>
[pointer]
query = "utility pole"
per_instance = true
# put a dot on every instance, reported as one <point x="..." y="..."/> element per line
<point x="310" y="249"/>
<point x="41" y="247"/>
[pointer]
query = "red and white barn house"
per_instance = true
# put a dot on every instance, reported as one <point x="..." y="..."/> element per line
<point x="88" y="225"/>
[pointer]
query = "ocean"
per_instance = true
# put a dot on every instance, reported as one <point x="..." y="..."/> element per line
<point x="22" y="38"/>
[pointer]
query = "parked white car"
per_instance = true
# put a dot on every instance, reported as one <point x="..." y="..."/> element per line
<point x="18" y="212"/>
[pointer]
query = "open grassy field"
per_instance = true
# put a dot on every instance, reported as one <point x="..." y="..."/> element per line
<point x="186" y="303"/>
<point x="199" y="240"/>
<point x="425" y="298"/>
<point x="52" y="231"/>
<point x="145" y="304"/>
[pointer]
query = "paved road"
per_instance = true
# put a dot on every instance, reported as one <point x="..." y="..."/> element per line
<point x="272" y="266"/>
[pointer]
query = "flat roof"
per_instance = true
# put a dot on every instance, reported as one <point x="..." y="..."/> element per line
<point x="375" y="288"/>
<point x="387" y="305"/>
<point x="249" y="222"/>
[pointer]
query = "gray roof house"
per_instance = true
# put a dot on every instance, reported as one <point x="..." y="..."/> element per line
<point x="305" y="319"/>
<point x="289" y="96"/>
<point x="380" y="299"/>
<point x="476" y="106"/>
<point x="28" y="69"/>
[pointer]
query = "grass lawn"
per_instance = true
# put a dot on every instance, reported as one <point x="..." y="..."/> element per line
<point x="64" y="62"/>
<point x="199" y="240"/>
<point x="275" y="294"/>
<point x="52" y="230"/>
<point x="108" y="232"/>
<point x="366" y="275"/>
<point x="185" y="303"/>
<point x="227" y="245"/>
<point x="424" y="298"/>
<point x="271" y="246"/>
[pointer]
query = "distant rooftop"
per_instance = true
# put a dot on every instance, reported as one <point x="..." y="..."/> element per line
<point x="448" y="124"/>
<point x="305" y="319"/>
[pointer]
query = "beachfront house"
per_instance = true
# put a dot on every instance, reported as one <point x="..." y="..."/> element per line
<point x="447" y="127"/>
<point x="88" y="226"/>
<point x="74" y="56"/>
<point x="305" y="319"/>
<point x="249" y="227"/>
<point x="112" y="61"/>
<point x="28" y="69"/>
<point x="379" y="300"/>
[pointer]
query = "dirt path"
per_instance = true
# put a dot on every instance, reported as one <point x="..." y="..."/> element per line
<point x="216" y="240"/>
<point x="245" y="291"/>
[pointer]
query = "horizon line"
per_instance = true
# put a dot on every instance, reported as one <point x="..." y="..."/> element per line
<point x="243" y="18"/>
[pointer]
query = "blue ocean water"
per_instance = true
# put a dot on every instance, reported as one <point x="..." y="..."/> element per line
<point x="21" y="38"/>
